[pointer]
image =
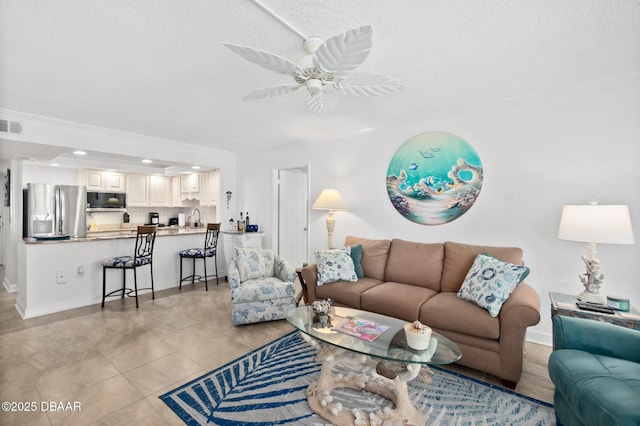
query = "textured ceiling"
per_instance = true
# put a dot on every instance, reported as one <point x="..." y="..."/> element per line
<point x="157" y="68"/>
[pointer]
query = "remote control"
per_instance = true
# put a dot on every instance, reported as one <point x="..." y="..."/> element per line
<point x="595" y="308"/>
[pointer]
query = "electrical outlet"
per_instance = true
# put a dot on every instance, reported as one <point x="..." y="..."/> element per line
<point x="61" y="277"/>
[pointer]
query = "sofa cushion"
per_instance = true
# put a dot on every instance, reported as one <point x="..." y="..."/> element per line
<point x="374" y="255"/>
<point x="458" y="259"/>
<point x="445" y="311"/>
<point x="490" y="282"/>
<point x="356" y="256"/>
<point x="346" y="293"/>
<point x="335" y="265"/>
<point x="126" y="261"/>
<point x="396" y="300"/>
<point x="415" y="263"/>
<point x="599" y="389"/>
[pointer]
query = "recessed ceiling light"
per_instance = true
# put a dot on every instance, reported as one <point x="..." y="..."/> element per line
<point x="54" y="164"/>
<point x="79" y="152"/>
<point x="146" y="160"/>
<point x="195" y="167"/>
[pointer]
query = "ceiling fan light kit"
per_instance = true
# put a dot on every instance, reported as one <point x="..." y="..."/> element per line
<point x="327" y="70"/>
<point x="314" y="85"/>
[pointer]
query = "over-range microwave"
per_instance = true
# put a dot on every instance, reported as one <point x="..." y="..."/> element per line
<point x="106" y="201"/>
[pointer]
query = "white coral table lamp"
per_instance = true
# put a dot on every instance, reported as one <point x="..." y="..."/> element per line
<point x="329" y="199"/>
<point x="593" y="223"/>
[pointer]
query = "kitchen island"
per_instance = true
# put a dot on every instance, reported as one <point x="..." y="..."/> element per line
<point x="120" y="233"/>
<point x="67" y="274"/>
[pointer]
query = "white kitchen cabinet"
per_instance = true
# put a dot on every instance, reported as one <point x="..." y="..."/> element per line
<point x="233" y="239"/>
<point x="176" y="196"/>
<point x="100" y="180"/>
<point x="137" y="191"/>
<point x="209" y="188"/>
<point x="190" y="186"/>
<point x="115" y="182"/>
<point x="92" y="179"/>
<point x="184" y="184"/>
<point x="160" y="191"/>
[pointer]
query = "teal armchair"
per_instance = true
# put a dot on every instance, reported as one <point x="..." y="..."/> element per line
<point x="595" y="368"/>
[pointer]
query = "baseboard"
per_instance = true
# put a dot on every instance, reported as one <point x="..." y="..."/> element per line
<point x="11" y="288"/>
<point x="539" y="338"/>
<point x="20" y="309"/>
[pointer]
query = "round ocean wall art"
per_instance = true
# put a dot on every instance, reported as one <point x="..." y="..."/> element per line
<point x="434" y="178"/>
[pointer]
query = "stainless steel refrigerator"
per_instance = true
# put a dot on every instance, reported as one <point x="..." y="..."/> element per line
<point x="54" y="211"/>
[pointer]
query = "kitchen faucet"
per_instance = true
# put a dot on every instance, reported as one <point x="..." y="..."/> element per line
<point x="196" y="223"/>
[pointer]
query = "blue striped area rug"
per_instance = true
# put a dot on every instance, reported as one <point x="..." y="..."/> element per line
<point x="267" y="387"/>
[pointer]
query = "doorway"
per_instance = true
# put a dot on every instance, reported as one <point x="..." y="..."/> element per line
<point x="293" y="214"/>
<point x="4" y="200"/>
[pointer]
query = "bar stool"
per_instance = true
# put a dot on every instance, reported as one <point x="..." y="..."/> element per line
<point x="210" y="250"/>
<point x="142" y="256"/>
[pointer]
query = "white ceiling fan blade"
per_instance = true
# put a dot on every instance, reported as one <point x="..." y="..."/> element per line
<point x="330" y="98"/>
<point x="270" y="92"/>
<point x="369" y="84"/>
<point x="267" y="60"/>
<point x="317" y="103"/>
<point x="343" y="53"/>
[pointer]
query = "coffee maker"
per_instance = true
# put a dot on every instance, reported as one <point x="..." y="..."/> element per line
<point x="154" y="218"/>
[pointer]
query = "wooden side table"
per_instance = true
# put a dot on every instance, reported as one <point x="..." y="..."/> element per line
<point x="565" y="304"/>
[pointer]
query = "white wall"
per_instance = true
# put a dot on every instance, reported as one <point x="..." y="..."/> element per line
<point x="35" y="173"/>
<point x="538" y="152"/>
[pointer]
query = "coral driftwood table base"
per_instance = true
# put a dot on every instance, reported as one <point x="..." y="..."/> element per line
<point x="374" y="357"/>
<point x="345" y="369"/>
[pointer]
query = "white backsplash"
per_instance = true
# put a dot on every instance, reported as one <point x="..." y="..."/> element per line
<point x="140" y="215"/>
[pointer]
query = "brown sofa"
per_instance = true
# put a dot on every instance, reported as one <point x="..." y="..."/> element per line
<point x="419" y="281"/>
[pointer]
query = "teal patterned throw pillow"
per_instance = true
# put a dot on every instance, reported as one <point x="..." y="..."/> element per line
<point x="335" y="265"/>
<point x="490" y="282"/>
<point x="356" y="256"/>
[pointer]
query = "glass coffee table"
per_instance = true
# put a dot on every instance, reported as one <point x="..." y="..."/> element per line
<point x="382" y="366"/>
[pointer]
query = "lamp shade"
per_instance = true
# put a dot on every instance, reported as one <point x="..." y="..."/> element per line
<point x="596" y="224"/>
<point x="329" y="199"/>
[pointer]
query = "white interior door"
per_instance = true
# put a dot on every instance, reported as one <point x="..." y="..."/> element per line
<point x="293" y="221"/>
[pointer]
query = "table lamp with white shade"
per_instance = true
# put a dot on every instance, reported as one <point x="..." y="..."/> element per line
<point x="593" y="223"/>
<point x="329" y="199"/>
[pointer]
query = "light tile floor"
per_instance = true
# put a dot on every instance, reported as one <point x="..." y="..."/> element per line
<point x="116" y="361"/>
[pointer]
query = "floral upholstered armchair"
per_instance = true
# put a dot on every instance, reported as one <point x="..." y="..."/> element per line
<point x="262" y="286"/>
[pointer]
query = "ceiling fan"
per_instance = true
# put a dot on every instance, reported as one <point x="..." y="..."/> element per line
<point x="327" y="70"/>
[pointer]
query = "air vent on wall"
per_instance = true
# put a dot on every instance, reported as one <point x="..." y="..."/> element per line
<point x="7" y="126"/>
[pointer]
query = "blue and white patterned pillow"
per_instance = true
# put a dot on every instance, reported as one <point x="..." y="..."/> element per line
<point x="335" y="265"/>
<point x="251" y="263"/>
<point x="490" y="282"/>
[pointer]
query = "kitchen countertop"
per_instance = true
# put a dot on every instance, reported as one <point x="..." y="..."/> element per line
<point x="118" y="234"/>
